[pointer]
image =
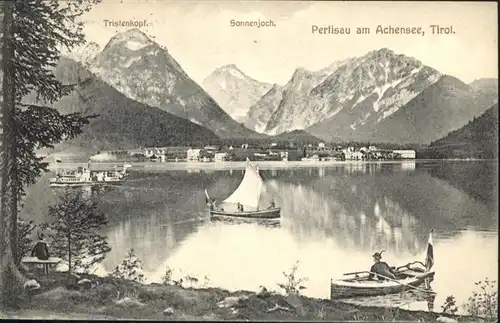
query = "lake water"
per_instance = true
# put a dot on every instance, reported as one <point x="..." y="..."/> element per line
<point x="333" y="220"/>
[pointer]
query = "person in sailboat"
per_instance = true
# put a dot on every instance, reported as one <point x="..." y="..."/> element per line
<point x="272" y="205"/>
<point x="240" y="206"/>
<point x="380" y="269"/>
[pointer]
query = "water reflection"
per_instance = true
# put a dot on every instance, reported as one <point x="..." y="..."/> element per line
<point x="352" y="222"/>
<point x="408" y="165"/>
<point x="270" y="223"/>
<point x="152" y="240"/>
<point x="333" y="219"/>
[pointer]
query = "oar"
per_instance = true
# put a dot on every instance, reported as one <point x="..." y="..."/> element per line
<point x="393" y="280"/>
<point x="362" y="272"/>
<point x="357" y="272"/>
<point x="395" y="268"/>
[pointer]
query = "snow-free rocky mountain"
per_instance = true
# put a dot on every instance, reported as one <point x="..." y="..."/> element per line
<point x="144" y="71"/>
<point x="84" y="54"/>
<point x="258" y="115"/>
<point x="292" y="111"/>
<point x="381" y="96"/>
<point x="234" y="91"/>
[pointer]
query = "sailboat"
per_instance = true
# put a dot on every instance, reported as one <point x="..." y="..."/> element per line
<point x="245" y="201"/>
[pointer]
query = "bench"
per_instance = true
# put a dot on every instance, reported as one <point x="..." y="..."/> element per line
<point x="46" y="263"/>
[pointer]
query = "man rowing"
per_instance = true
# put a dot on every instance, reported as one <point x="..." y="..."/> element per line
<point x="381" y="269"/>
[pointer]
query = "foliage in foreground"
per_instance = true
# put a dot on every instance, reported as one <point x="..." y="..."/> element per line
<point x="131" y="268"/>
<point x="450" y="305"/>
<point x="76" y="228"/>
<point x="167" y="277"/>
<point x="484" y="303"/>
<point x="24" y="241"/>
<point x="293" y="284"/>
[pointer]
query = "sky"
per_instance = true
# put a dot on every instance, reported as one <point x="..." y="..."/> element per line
<point x="199" y="35"/>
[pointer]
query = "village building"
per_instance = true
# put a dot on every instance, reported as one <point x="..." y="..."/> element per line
<point x="406" y="154"/>
<point x="211" y="148"/>
<point x="154" y="152"/>
<point x="350" y="154"/>
<point x="357" y="155"/>
<point x="220" y="157"/>
<point x="193" y="154"/>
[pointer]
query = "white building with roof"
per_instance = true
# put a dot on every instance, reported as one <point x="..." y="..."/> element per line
<point x="193" y="154"/>
<point x="406" y="154"/>
<point x="219" y="157"/>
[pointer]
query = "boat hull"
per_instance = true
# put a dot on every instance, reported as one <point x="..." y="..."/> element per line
<point x="262" y="214"/>
<point x="341" y="289"/>
<point x="80" y="184"/>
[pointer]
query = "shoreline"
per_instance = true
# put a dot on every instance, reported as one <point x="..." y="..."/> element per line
<point x="237" y="165"/>
<point x="115" y="298"/>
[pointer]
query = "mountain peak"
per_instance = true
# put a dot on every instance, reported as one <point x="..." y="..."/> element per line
<point x="229" y="67"/>
<point x="385" y="50"/>
<point x="233" y="70"/>
<point x="386" y="53"/>
<point x="134" y="39"/>
<point x="300" y="72"/>
<point x="382" y="53"/>
<point x="134" y="33"/>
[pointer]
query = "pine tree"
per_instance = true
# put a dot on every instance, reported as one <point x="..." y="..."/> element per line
<point x="130" y="268"/>
<point x="24" y="241"/>
<point x="9" y="273"/>
<point x="32" y="35"/>
<point x="77" y="221"/>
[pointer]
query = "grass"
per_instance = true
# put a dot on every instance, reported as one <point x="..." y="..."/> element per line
<point x="122" y="295"/>
<point x="116" y="298"/>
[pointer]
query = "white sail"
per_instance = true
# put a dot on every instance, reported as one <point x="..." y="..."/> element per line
<point x="249" y="191"/>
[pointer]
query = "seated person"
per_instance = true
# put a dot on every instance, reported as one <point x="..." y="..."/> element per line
<point x="240" y="207"/>
<point x="41" y="250"/>
<point x="211" y="205"/>
<point x="381" y="270"/>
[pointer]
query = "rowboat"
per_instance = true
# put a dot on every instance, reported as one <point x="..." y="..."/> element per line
<point x="247" y="200"/>
<point x="408" y="277"/>
<point x="359" y="285"/>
